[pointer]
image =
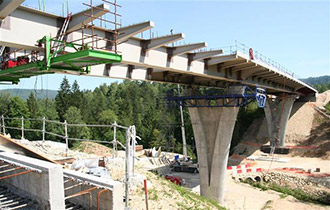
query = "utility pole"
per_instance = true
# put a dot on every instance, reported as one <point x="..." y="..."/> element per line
<point x="184" y="143"/>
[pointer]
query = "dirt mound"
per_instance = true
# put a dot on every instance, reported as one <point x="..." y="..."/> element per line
<point x="320" y="139"/>
<point x="94" y="148"/>
<point x="323" y="98"/>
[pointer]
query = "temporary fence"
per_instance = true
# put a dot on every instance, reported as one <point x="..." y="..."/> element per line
<point x="62" y="135"/>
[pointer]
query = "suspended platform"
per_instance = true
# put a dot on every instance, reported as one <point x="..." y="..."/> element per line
<point x="79" y="61"/>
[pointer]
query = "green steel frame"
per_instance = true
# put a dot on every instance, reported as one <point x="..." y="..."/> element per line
<point x="80" y="60"/>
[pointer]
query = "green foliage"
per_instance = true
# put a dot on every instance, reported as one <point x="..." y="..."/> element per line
<point x="320" y="83"/>
<point x="317" y="80"/>
<point x="297" y="193"/>
<point x="32" y="105"/>
<point x="327" y="107"/>
<point x="196" y="199"/>
<point x="73" y="116"/>
<point x="63" y="98"/>
<point x="17" y="108"/>
<point x="322" y="87"/>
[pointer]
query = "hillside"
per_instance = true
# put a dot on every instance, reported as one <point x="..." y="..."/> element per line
<point x="317" y="80"/>
<point x="24" y="93"/>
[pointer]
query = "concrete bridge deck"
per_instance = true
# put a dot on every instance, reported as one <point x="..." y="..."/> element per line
<point x="153" y="59"/>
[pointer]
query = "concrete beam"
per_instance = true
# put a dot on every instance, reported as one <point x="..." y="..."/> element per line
<point x="158" y="42"/>
<point x="273" y="76"/>
<point x="260" y="74"/>
<point x="248" y="72"/>
<point x="239" y="68"/>
<point x="8" y="6"/>
<point x="132" y="30"/>
<point x="203" y="55"/>
<point x="234" y="64"/>
<point x="80" y="19"/>
<point x="221" y="59"/>
<point x="179" y="50"/>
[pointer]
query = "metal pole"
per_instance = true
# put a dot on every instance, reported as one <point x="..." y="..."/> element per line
<point x="43" y="129"/>
<point x="67" y="7"/>
<point x="133" y="148"/>
<point x="184" y="143"/>
<point x="22" y="128"/>
<point x="66" y="137"/>
<point x="3" y="125"/>
<point x="127" y="167"/>
<point x="44" y="6"/>
<point x="114" y="142"/>
<point x="63" y="10"/>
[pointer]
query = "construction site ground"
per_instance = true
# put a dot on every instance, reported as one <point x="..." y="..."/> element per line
<point x="162" y="194"/>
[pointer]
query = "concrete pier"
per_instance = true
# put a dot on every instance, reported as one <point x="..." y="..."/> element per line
<point x="277" y="111"/>
<point x="213" y="128"/>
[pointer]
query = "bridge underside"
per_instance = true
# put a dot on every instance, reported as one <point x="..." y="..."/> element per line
<point x="154" y="59"/>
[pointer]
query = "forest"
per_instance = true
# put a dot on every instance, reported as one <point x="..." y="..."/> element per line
<point x="128" y="103"/>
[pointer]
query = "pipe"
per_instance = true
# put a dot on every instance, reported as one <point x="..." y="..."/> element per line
<point x="98" y="198"/>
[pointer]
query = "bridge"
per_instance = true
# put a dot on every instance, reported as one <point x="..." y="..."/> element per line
<point x="119" y="53"/>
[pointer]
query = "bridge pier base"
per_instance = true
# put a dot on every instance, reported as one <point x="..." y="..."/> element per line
<point x="213" y="128"/>
<point x="277" y="113"/>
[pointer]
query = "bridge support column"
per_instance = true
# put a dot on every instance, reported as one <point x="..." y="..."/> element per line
<point x="277" y="113"/>
<point x="213" y="128"/>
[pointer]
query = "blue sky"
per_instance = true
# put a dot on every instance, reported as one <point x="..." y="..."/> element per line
<point x="293" y="33"/>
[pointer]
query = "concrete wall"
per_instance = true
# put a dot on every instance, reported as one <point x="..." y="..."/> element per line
<point x="45" y="187"/>
<point x="111" y="199"/>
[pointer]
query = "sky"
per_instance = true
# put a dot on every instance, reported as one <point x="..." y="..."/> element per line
<point x="293" y="33"/>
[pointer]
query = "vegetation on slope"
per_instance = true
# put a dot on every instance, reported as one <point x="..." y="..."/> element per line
<point x="129" y="103"/>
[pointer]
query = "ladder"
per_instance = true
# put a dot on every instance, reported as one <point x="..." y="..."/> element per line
<point x="2" y="49"/>
<point x="64" y="28"/>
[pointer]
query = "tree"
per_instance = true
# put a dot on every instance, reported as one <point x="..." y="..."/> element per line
<point x="4" y="103"/>
<point x="32" y="105"/>
<point x="63" y="98"/>
<point x="76" y="95"/>
<point x="17" y="109"/>
<point x="73" y="116"/>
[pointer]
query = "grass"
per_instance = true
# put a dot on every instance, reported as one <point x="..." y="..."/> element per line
<point x="297" y="193"/>
<point x="196" y="199"/>
<point x="153" y="195"/>
<point x="267" y="205"/>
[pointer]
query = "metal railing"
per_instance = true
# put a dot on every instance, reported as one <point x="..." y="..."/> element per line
<point x="22" y="128"/>
<point x="240" y="47"/>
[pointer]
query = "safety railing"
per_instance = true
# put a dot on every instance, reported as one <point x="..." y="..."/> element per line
<point x="232" y="50"/>
<point x="62" y="131"/>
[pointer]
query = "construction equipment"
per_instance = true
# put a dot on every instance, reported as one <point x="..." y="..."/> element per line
<point x="79" y="61"/>
<point x="216" y="98"/>
<point x="56" y="45"/>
